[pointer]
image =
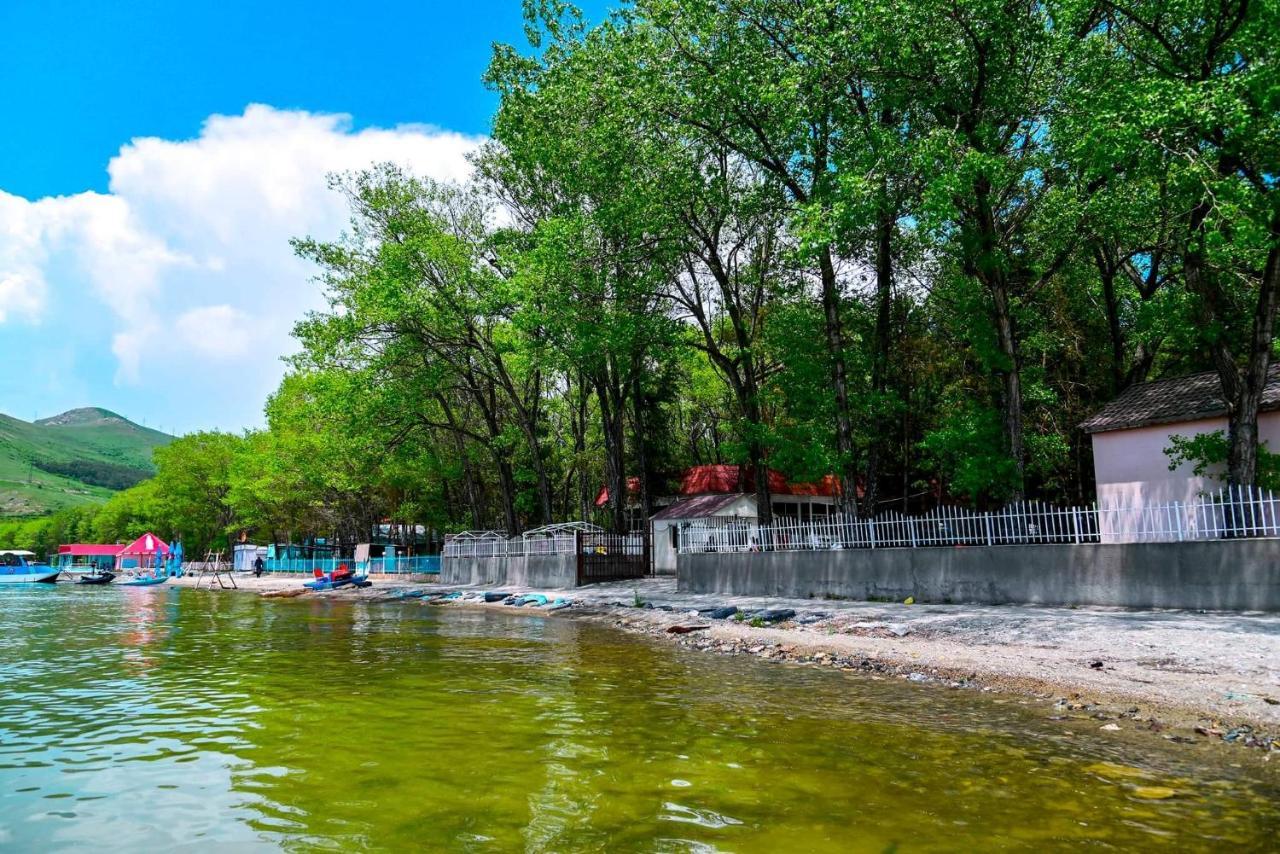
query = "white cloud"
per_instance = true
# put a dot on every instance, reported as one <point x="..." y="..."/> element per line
<point x="218" y="332"/>
<point x="193" y="236"/>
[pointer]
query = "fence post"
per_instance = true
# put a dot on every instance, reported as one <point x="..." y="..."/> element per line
<point x="1177" y="517"/>
<point x="871" y="530"/>
<point x="646" y="546"/>
<point x="1075" y="522"/>
<point x="577" y="551"/>
<point x="986" y="518"/>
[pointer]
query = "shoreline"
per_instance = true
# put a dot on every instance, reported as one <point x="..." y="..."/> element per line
<point x="1184" y="677"/>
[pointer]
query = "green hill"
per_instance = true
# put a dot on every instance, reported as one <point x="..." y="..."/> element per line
<point x="77" y="457"/>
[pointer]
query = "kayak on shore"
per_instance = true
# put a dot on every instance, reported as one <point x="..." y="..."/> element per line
<point x="144" y="580"/>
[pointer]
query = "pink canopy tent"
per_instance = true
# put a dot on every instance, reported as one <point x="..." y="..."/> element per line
<point x="147" y="551"/>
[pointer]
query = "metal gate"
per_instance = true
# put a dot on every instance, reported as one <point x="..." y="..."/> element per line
<point x="613" y="557"/>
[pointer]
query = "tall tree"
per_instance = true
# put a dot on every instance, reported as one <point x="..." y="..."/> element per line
<point x="1191" y="94"/>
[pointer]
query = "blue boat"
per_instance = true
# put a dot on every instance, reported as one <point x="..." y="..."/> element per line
<point x="17" y="567"/>
<point x="143" y="581"/>
<point x="342" y="576"/>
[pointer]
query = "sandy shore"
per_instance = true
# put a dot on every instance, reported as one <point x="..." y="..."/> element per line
<point x="1180" y="675"/>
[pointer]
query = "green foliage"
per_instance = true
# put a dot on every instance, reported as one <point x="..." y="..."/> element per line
<point x="914" y="245"/>
<point x="106" y="475"/>
<point x="969" y="449"/>
<point x="1206" y="453"/>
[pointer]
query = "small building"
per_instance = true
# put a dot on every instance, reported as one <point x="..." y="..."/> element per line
<point x="245" y="555"/>
<point x="723" y="496"/>
<point x="1131" y="434"/>
<point x="78" y="557"/>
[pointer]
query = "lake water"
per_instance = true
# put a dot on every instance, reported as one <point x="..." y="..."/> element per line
<point x="145" y="719"/>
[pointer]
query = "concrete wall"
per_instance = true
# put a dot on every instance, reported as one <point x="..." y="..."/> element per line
<point x="473" y="570"/>
<point x="546" y="571"/>
<point x="1236" y="575"/>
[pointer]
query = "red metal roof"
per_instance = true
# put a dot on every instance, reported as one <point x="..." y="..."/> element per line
<point x="633" y="488"/>
<point x="720" y="479"/>
<point x="90" y="549"/>
<point x="725" y="478"/>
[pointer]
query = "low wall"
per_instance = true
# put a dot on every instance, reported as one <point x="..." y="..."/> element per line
<point x="545" y="571"/>
<point x="551" y="571"/>
<point x="1230" y="575"/>
<point x="474" y="570"/>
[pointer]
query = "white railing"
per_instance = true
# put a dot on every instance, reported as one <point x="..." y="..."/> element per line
<point x="1230" y="513"/>
<point x="517" y="547"/>
<point x="474" y="548"/>
<point x="553" y="545"/>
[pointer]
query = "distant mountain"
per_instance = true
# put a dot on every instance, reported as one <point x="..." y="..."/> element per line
<point x="77" y="457"/>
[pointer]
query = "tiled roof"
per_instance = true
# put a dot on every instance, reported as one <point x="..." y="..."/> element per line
<point x="697" y="508"/>
<point x="1176" y="399"/>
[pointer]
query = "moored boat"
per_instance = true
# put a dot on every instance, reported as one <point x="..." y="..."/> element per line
<point x="98" y="576"/>
<point x="78" y="560"/>
<point x="16" y="567"/>
<point x="143" y="580"/>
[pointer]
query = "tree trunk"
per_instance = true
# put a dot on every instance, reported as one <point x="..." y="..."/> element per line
<point x="755" y="447"/>
<point x="1011" y="376"/>
<point x="580" y="450"/>
<point x="1107" y="272"/>
<point x="983" y="260"/>
<point x="839" y="376"/>
<point x="1242" y="432"/>
<point x="539" y="469"/>
<point x="507" y="483"/>
<point x="880" y="358"/>
<point x="614" y="452"/>
<point x="642" y="452"/>
<point x="1241" y="389"/>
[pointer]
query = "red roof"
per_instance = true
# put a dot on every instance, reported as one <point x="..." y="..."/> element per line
<point x="633" y="488"/>
<point x="89" y="549"/>
<point x="723" y="478"/>
<point x="706" y="480"/>
<point x="147" y="544"/>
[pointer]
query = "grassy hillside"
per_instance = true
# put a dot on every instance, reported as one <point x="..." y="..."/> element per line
<point x="77" y="457"/>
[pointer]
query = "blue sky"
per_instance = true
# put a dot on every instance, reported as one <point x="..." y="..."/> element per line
<point x="156" y="158"/>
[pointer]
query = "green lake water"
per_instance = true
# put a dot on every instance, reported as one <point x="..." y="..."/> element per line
<point x="164" y="718"/>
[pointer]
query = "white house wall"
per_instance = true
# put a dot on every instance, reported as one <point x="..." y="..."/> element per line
<point x="1132" y="471"/>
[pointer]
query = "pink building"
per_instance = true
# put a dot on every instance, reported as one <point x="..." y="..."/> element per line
<point x="1130" y="436"/>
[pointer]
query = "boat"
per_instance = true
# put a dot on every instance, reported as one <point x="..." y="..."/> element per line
<point x="17" y="567"/>
<point x="143" y="580"/>
<point x="77" y="560"/>
<point x="340" y="577"/>
<point x="98" y="576"/>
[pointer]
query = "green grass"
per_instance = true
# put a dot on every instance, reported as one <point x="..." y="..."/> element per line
<point x="85" y="436"/>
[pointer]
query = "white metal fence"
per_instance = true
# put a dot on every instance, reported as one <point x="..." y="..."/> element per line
<point x="516" y="547"/>
<point x="1230" y="513"/>
<point x="563" y="543"/>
